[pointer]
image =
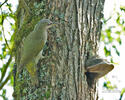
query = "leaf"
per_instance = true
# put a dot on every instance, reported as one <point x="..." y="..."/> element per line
<point x="111" y="60"/>
<point x="109" y="86"/>
<point x="1" y="36"/>
<point x="3" y="95"/>
<point x="122" y="8"/>
<point x="118" y="20"/>
<point x="118" y="32"/>
<point x="1" y="57"/>
<point x="123" y="91"/>
<point x="11" y="15"/>
<point x="108" y="33"/>
<point x="107" y="52"/>
<point x="119" y="40"/>
<point x="116" y="50"/>
<point x="102" y="36"/>
<point x="113" y="46"/>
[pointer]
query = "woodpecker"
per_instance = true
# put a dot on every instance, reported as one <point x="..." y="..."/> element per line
<point x="33" y="45"/>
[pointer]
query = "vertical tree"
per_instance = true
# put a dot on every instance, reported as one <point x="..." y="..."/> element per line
<point x="61" y="72"/>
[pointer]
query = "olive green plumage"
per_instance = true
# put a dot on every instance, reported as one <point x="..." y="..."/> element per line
<point x="32" y="45"/>
<point x="35" y="41"/>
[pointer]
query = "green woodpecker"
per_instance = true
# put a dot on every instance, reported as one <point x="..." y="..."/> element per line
<point x="32" y="46"/>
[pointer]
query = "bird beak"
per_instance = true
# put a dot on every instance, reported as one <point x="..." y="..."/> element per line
<point x="51" y="25"/>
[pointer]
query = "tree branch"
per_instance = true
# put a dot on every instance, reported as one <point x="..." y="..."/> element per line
<point x="6" y="80"/>
<point x="5" y="69"/>
<point x="3" y="3"/>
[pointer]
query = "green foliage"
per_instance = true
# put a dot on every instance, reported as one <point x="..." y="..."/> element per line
<point x="7" y="17"/>
<point x="122" y="92"/>
<point x="122" y="8"/>
<point x="111" y="37"/>
<point x="3" y="95"/>
<point x="109" y="86"/>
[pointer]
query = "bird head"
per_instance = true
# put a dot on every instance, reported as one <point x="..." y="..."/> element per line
<point x="46" y="23"/>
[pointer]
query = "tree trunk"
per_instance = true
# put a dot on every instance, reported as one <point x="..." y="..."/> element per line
<point x="61" y="71"/>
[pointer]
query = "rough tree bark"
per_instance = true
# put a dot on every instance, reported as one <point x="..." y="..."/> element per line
<point x="62" y="70"/>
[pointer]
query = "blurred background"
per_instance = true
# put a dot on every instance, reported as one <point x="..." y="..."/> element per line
<point x="112" y="47"/>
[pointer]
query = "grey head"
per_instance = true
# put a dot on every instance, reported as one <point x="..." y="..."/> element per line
<point x="44" y="23"/>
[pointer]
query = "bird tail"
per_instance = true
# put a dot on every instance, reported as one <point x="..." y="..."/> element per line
<point x="32" y="69"/>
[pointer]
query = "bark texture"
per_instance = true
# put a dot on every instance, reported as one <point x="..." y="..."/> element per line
<point x="62" y="70"/>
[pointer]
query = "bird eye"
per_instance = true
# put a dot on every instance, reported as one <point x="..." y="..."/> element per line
<point x="49" y="23"/>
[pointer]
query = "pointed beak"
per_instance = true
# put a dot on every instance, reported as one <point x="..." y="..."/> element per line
<point x="51" y="25"/>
